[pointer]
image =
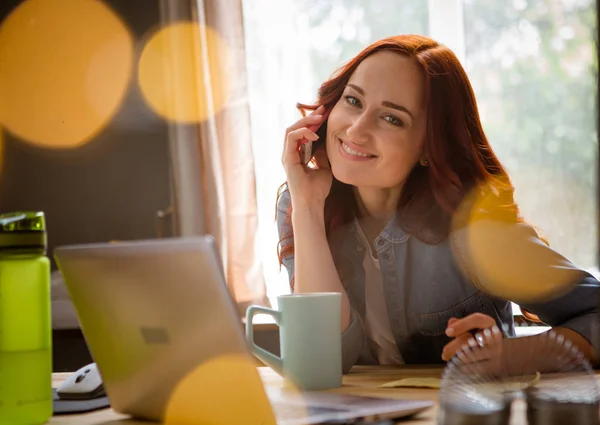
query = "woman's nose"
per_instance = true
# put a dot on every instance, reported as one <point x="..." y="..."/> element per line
<point x="359" y="129"/>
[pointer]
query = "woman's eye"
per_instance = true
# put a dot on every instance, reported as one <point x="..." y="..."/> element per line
<point x="394" y="120"/>
<point x="352" y="100"/>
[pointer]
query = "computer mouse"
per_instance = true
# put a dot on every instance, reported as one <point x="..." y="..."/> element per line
<point x="84" y="384"/>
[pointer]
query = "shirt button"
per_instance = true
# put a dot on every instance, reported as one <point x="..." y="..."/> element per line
<point x="386" y="256"/>
<point x="359" y="249"/>
<point x="380" y="242"/>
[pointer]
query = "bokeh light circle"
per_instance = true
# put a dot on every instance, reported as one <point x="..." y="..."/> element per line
<point x="1" y="150"/>
<point x="172" y="75"/>
<point x="66" y="66"/>
<point x="505" y="258"/>
<point x="222" y="391"/>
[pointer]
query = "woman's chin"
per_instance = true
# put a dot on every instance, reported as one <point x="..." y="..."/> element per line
<point x="355" y="173"/>
<point x="347" y="176"/>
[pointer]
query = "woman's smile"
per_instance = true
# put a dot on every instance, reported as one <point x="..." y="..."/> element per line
<point x="352" y="152"/>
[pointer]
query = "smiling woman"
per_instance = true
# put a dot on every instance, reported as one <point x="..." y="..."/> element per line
<point x="400" y="206"/>
<point x="388" y="138"/>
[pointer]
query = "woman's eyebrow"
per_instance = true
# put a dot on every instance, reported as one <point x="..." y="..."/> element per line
<point x="384" y="103"/>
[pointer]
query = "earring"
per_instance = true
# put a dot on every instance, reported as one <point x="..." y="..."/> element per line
<point x="424" y="163"/>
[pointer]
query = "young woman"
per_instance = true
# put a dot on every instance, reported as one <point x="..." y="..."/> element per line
<point x="408" y="213"/>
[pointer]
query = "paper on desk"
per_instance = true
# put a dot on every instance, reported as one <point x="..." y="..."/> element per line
<point x="414" y="382"/>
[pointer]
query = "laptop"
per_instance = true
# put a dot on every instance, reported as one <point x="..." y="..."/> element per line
<point x="152" y="311"/>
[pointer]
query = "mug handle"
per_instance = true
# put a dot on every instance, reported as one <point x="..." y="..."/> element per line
<point x="265" y="356"/>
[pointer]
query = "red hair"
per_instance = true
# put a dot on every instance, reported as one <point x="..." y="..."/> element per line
<point x="461" y="160"/>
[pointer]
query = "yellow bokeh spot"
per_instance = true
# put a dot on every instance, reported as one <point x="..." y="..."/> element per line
<point x="65" y="68"/>
<point x="505" y="257"/>
<point x="1" y="149"/>
<point x="182" y="72"/>
<point x="223" y="391"/>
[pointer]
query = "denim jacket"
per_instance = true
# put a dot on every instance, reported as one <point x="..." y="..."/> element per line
<point x="426" y="284"/>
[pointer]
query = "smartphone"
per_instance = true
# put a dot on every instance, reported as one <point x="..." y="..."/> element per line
<point x="308" y="149"/>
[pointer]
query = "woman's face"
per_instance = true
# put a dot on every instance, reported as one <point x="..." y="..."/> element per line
<point x="376" y="131"/>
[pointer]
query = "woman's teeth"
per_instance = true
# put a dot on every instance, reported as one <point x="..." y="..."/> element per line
<point x="353" y="152"/>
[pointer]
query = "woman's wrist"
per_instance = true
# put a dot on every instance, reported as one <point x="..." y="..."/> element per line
<point x="308" y="213"/>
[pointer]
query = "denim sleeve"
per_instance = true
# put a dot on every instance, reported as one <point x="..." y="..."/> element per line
<point x="352" y="341"/>
<point x="353" y="336"/>
<point x="284" y="227"/>
<point x="510" y="261"/>
<point x="576" y="310"/>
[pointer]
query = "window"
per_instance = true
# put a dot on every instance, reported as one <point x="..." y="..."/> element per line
<point x="532" y="67"/>
<point x="530" y="63"/>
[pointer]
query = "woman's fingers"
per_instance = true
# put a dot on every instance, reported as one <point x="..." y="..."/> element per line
<point x="306" y="184"/>
<point x="313" y="119"/>
<point x="294" y="138"/>
<point x="301" y="131"/>
<point x="488" y="344"/>
<point x="472" y="322"/>
<point x="308" y="121"/>
<point x="455" y="345"/>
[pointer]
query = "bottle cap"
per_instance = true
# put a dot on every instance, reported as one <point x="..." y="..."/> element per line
<point x="23" y="232"/>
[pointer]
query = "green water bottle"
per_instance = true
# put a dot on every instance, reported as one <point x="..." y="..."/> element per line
<point x="25" y="321"/>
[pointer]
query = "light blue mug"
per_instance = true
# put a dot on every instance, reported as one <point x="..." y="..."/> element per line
<point x="310" y="339"/>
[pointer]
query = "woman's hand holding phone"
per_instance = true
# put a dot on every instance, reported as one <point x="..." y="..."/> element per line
<point x="307" y="185"/>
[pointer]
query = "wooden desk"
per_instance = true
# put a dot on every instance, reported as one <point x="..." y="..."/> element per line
<point x="362" y="380"/>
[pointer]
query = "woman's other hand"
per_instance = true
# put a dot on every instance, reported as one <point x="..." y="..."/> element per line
<point x="463" y="331"/>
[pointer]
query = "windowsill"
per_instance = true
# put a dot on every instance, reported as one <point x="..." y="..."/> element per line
<point x="262" y="322"/>
<point x="530" y="330"/>
<point x="265" y="321"/>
